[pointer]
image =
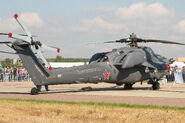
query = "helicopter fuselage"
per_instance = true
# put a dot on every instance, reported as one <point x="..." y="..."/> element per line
<point x="108" y="67"/>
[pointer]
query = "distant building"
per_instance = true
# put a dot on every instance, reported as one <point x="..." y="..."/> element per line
<point x="65" y="64"/>
<point x="15" y="61"/>
<point x="180" y="59"/>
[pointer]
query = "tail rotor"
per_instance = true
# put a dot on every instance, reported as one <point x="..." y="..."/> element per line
<point x="28" y="39"/>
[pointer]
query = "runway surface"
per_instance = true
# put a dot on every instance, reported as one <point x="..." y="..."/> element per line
<point x="169" y="94"/>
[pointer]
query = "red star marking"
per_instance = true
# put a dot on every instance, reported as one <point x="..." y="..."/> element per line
<point x="106" y="75"/>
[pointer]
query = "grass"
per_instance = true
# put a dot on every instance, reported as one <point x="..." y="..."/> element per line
<point x="97" y="104"/>
<point x="18" y="110"/>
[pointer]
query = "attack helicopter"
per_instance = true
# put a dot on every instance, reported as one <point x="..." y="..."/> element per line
<point x="122" y="66"/>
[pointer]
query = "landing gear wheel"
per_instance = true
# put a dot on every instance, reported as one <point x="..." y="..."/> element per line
<point x="34" y="91"/>
<point x="156" y="86"/>
<point x="128" y="86"/>
<point x="86" y="88"/>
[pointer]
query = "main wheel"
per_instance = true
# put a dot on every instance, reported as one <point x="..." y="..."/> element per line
<point x="86" y="88"/>
<point x="128" y="86"/>
<point x="156" y="86"/>
<point x="34" y="91"/>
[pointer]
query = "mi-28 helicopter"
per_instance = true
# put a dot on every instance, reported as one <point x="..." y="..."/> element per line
<point x="125" y="65"/>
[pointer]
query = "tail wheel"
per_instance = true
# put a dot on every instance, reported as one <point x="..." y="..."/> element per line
<point x="128" y="86"/>
<point x="156" y="86"/>
<point x="34" y="91"/>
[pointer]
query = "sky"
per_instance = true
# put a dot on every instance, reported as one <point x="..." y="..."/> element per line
<point x="65" y="23"/>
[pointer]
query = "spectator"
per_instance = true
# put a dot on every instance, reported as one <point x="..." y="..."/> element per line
<point x="183" y="72"/>
<point x="11" y="74"/>
<point x="178" y="75"/>
<point x="14" y="73"/>
<point x="20" y="73"/>
<point x="46" y="86"/>
<point x="2" y="77"/>
<point x="6" y="77"/>
<point x="25" y="74"/>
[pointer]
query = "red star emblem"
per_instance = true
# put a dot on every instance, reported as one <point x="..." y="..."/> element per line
<point x="106" y="75"/>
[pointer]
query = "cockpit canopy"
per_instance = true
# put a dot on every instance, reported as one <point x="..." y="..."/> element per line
<point x="99" y="57"/>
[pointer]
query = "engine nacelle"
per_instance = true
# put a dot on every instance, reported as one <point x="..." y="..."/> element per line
<point x="132" y="59"/>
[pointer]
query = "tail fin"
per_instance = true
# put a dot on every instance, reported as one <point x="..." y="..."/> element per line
<point x="31" y="62"/>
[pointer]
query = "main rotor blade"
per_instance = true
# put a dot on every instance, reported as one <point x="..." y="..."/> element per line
<point x="162" y="41"/>
<point x="123" y="40"/>
<point x="81" y="44"/>
<point x="7" y="52"/>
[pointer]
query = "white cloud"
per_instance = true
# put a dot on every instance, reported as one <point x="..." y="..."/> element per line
<point x="154" y="14"/>
<point x="97" y="24"/>
<point x="30" y="19"/>
<point x="7" y="24"/>
<point x="138" y="16"/>
<point x="143" y="11"/>
<point x="180" y="27"/>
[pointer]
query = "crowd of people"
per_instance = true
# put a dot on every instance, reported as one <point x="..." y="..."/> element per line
<point x="176" y="74"/>
<point x="14" y="74"/>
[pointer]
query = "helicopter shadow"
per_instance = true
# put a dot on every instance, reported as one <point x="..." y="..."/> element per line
<point x="20" y="93"/>
<point x="55" y="91"/>
<point x="114" y="88"/>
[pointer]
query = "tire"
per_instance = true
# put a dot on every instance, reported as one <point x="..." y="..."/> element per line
<point x="128" y="86"/>
<point x="156" y="86"/>
<point x="34" y="91"/>
<point x="86" y="88"/>
<point x="119" y="84"/>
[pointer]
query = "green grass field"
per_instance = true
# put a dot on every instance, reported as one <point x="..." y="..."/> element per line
<point x="17" y="110"/>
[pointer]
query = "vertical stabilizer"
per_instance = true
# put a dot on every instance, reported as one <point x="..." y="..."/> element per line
<point x="31" y="62"/>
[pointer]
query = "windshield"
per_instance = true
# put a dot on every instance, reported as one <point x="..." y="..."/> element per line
<point x="97" y="57"/>
<point x="149" y="50"/>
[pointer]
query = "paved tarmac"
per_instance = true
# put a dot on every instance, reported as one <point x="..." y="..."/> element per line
<point x="169" y="94"/>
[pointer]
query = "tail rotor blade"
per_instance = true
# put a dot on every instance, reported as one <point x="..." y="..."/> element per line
<point x="19" y="37"/>
<point x="25" y="29"/>
<point x="38" y="51"/>
<point x="4" y="33"/>
<point x="50" y="48"/>
<point x="5" y="42"/>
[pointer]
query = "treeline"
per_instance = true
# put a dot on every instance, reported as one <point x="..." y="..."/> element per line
<point x="9" y="62"/>
<point x="60" y="59"/>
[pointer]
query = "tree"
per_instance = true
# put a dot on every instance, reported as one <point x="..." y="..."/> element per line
<point x="7" y="62"/>
<point x="58" y="59"/>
